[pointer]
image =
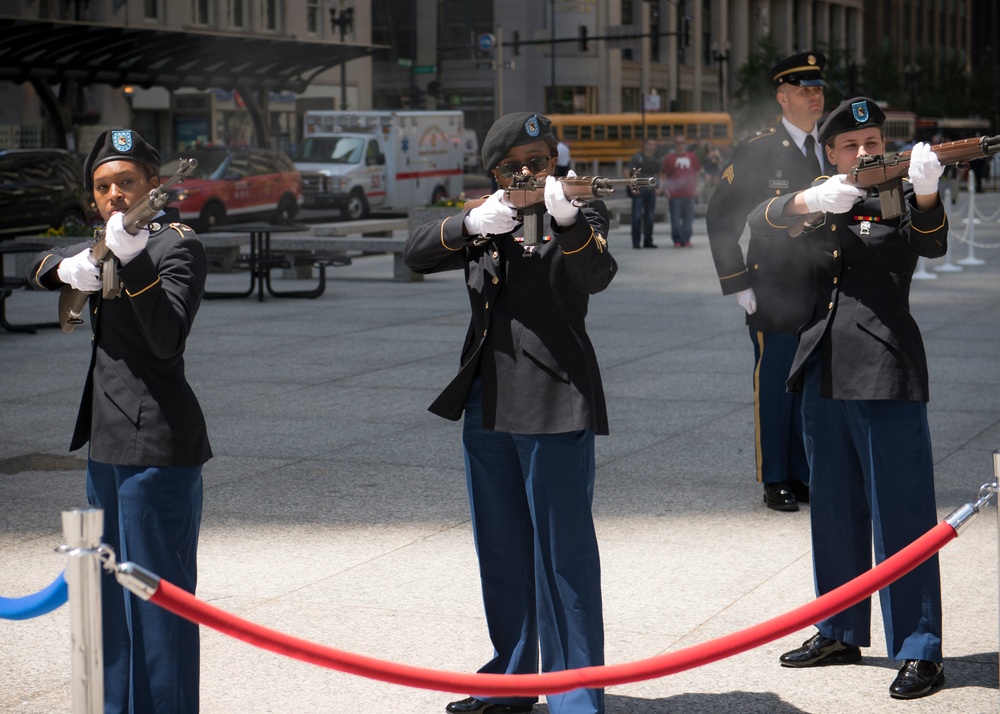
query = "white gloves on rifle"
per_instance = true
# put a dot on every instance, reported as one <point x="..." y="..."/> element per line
<point x="122" y="243"/>
<point x="832" y="196"/>
<point x="80" y="272"/>
<point x="925" y="169"/>
<point x="747" y="300"/>
<point x="493" y="218"/>
<point x="561" y="209"/>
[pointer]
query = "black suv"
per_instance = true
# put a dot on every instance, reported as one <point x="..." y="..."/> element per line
<point x="41" y="188"/>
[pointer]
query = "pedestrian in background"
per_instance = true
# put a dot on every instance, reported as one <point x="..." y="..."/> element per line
<point x="679" y="173"/>
<point x="564" y="161"/>
<point x="644" y="197"/>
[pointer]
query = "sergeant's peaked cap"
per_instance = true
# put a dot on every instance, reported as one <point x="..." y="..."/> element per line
<point x="119" y="145"/>
<point x="851" y="114"/>
<point x="512" y="130"/>
<point x="804" y="70"/>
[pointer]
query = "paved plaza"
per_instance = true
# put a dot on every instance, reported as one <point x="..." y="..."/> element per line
<point x="335" y="506"/>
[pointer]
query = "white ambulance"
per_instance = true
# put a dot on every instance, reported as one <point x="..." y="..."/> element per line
<point x="379" y="160"/>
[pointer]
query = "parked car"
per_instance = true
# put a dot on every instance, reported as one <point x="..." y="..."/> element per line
<point x="236" y="184"/>
<point x="41" y="189"/>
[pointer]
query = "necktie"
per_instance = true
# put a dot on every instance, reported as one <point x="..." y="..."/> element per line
<point x="811" y="160"/>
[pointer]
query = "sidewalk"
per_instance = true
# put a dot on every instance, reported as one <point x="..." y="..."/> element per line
<point x="335" y="507"/>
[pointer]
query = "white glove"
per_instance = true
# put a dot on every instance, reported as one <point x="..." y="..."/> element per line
<point x="80" y="272"/>
<point x="122" y="243"/>
<point x="561" y="209"/>
<point x="747" y="300"/>
<point x="832" y="196"/>
<point x="493" y="218"/>
<point x="925" y="169"/>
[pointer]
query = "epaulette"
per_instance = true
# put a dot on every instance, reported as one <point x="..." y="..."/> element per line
<point x="184" y="230"/>
<point x="761" y="134"/>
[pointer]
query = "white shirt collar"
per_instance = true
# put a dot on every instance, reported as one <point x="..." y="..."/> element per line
<point x="799" y="136"/>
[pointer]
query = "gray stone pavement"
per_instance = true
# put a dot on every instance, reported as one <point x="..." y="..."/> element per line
<point x="335" y="508"/>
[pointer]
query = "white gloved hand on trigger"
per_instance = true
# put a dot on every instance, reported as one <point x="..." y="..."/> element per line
<point x="123" y="244"/>
<point x="80" y="272"/>
<point x="493" y="218"/>
<point x="561" y="209"/>
<point x="832" y="196"/>
<point x="925" y="169"/>
<point x="747" y="300"/>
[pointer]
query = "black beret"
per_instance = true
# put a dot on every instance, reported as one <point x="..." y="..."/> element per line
<point x="804" y="70"/>
<point x="512" y="130"/>
<point x="849" y="115"/>
<point x="119" y="145"/>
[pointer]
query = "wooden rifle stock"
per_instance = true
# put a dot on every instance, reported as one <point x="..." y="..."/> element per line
<point x="73" y="301"/>
<point x="526" y="191"/>
<point x="886" y="173"/>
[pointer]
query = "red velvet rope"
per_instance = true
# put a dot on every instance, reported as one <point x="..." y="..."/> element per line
<point x="182" y="603"/>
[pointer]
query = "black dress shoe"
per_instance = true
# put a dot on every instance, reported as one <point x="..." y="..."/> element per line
<point x="472" y="705"/>
<point x="799" y="489"/>
<point x="917" y="678"/>
<point x="778" y="497"/>
<point x="818" y="651"/>
<point x="649" y="245"/>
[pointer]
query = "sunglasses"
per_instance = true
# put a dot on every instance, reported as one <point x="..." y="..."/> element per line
<point x="535" y="165"/>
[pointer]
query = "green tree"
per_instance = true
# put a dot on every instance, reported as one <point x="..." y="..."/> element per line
<point x="753" y="96"/>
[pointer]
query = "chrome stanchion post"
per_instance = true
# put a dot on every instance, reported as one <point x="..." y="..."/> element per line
<point x="82" y="529"/>
<point x="970" y="231"/>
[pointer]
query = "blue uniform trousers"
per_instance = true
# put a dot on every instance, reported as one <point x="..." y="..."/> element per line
<point x="781" y="455"/>
<point x="531" y="497"/>
<point x="152" y="517"/>
<point x="873" y="475"/>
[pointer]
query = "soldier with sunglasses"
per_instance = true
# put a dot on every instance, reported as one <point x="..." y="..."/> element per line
<point x="530" y="390"/>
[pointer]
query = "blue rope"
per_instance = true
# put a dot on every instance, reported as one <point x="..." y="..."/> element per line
<point x="29" y="606"/>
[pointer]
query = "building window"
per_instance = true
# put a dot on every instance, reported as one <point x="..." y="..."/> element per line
<point x="312" y="17"/>
<point x="236" y="13"/>
<point x="271" y="15"/>
<point x="152" y="10"/>
<point x="201" y="12"/>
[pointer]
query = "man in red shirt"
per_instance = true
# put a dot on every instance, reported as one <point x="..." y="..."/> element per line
<point x="679" y="178"/>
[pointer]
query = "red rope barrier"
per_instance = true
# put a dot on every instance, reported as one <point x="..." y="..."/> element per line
<point x="182" y="603"/>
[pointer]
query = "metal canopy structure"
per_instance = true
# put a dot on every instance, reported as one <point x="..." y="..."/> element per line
<point x="48" y="53"/>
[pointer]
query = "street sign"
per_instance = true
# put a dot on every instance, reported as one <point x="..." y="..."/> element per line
<point x="487" y="41"/>
<point x="425" y="69"/>
<point x="404" y="61"/>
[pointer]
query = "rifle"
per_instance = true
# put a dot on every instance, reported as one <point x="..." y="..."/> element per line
<point x="71" y="300"/>
<point x="527" y="195"/>
<point x="886" y="173"/>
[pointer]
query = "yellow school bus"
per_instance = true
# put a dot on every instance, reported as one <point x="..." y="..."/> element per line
<point x="610" y="137"/>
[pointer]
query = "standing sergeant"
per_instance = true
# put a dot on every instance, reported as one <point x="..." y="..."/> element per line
<point x="147" y="435"/>
<point x="862" y="371"/>
<point x="773" y="285"/>
<point x="531" y="391"/>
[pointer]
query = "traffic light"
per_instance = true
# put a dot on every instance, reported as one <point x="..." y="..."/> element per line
<point x="434" y="89"/>
<point x="517" y="42"/>
<point x="583" y="38"/>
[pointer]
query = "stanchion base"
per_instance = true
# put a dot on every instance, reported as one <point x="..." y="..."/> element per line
<point x="924" y="275"/>
<point x="971" y="261"/>
<point x="948" y="268"/>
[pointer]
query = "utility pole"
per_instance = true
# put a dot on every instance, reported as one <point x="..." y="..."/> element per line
<point x="344" y="20"/>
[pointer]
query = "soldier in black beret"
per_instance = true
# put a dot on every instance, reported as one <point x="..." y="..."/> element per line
<point x="784" y="158"/>
<point x="529" y="388"/>
<point x="120" y="145"/>
<point x="145" y="429"/>
<point x="862" y="373"/>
